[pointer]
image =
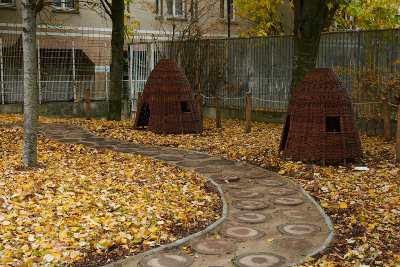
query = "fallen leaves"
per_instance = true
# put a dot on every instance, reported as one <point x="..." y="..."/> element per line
<point x="371" y="193"/>
<point x="80" y="200"/>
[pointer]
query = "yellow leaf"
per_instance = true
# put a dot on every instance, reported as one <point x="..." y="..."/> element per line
<point x="183" y="216"/>
<point x="271" y="240"/>
<point x="6" y="259"/>
<point x="324" y="205"/>
<point x="343" y="205"/>
<point x="63" y="235"/>
<point x="47" y="245"/>
<point x="56" y="255"/>
<point x="74" y="229"/>
<point x="218" y="237"/>
<point x="153" y="229"/>
<point x="282" y="172"/>
<point x="371" y="225"/>
<point x="105" y="243"/>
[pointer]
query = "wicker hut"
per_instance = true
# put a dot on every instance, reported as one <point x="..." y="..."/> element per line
<point x="167" y="104"/>
<point x="320" y="122"/>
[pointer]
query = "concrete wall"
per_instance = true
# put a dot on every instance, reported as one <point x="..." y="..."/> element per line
<point x="68" y="109"/>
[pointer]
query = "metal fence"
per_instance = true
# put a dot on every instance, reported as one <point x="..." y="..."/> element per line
<point x="232" y="67"/>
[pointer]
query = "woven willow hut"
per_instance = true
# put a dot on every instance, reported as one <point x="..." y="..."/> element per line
<point x="320" y="122"/>
<point x="167" y="104"/>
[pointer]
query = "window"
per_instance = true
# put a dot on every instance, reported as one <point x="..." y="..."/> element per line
<point x="7" y="3"/>
<point x="159" y="8"/>
<point x="175" y="8"/>
<point x="224" y="9"/>
<point x="333" y="124"/>
<point x="185" y="106"/>
<point x="64" y="4"/>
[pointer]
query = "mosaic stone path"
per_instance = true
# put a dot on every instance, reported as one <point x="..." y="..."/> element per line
<point x="270" y="221"/>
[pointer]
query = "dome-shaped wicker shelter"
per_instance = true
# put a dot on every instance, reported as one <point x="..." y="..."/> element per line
<point x="320" y="122"/>
<point x="167" y="104"/>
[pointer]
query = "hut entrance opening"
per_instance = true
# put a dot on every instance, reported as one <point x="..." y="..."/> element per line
<point x="185" y="106"/>
<point x="286" y="132"/>
<point x="144" y="116"/>
<point x="333" y="124"/>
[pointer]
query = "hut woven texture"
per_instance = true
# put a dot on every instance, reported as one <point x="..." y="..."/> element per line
<point x="167" y="104"/>
<point x="320" y="122"/>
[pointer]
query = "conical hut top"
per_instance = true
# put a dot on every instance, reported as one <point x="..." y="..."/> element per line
<point x="320" y="121"/>
<point x="167" y="104"/>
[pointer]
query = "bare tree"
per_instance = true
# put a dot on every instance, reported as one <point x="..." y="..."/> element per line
<point x="29" y="153"/>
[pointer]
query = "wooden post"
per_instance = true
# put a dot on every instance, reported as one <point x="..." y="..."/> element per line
<point x="218" y="110"/>
<point x="139" y="97"/>
<point x="398" y="137"/>
<point x="88" y="104"/>
<point x="199" y="100"/>
<point x="386" y="120"/>
<point x="248" y="112"/>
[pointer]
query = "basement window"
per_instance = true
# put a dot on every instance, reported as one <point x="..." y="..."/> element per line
<point x="185" y="106"/>
<point x="333" y="124"/>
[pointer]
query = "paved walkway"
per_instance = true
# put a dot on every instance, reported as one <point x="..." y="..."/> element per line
<point x="268" y="220"/>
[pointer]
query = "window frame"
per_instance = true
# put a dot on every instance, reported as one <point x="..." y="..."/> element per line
<point x="12" y="4"/>
<point x="224" y="11"/>
<point x="159" y="8"/>
<point x="62" y="6"/>
<point x="173" y="15"/>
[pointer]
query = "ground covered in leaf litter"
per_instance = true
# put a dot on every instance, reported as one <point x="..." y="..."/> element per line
<point x="364" y="206"/>
<point x="64" y="212"/>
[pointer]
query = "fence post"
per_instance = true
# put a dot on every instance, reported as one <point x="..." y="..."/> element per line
<point x="218" y="110"/>
<point x="105" y="65"/>
<point x="139" y="97"/>
<point x="88" y="104"/>
<point x="199" y="99"/>
<point x="398" y="137"/>
<point x="149" y="58"/>
<point x="39" y="73"/>
<point x="248" y="112"/>
<point x="73" y="69"/>
<point x="386" y="120"/>
<point x="1" y="72"/>
<point x="130" y="80"/>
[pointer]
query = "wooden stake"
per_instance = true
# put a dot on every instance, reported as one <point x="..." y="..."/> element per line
<point x="248" y="112"/>
<point x="323" y="163"/>
<point x="218" y="110"/>
<point x="199" y="99"/>
<point x="398" y="137"/>
<point x="386" y="120"/>
<point x="88" y="115"/>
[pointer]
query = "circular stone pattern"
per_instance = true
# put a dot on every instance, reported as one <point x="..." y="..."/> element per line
<point x="261" y="259"/>
<point x="296" y="214"/>
<point x="208" y="170"/>
<point x="239" y="168"/>
<point x="191" y="164"/>
<point x="239" y="185"/>
<point x="247" y="194"/>
<point x="219" y="162"/>
<point x="288" y="201"/>
<point x="173" y="151"/>
<point x="298" y="229"/>
<point x="258" y="174"/>
<point x="291" y="244"/>
<point x="249" y="204"/>
<point x="240" y="232"/>
<point x="225" y="177"/>
<point x="213" y="247"/>
<point x="281" y="191"/>
<point x="251" y="217"/>
<point x="197" y="156"/>
<point x="169" y="158"/>
<point x="166" y="260"/>
<point x="271" y="182"/>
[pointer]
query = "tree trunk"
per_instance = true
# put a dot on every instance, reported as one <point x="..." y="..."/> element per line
<point x="117" y="62"/>
<point x="309" y="20"/>
<point x="29" y="150"/>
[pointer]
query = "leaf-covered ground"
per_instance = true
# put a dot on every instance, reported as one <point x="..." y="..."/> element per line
<point x="80" y="201"/>
<point x="363" y="205"/>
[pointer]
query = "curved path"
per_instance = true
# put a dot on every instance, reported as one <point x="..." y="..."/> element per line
<point x="268" y="220"/>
